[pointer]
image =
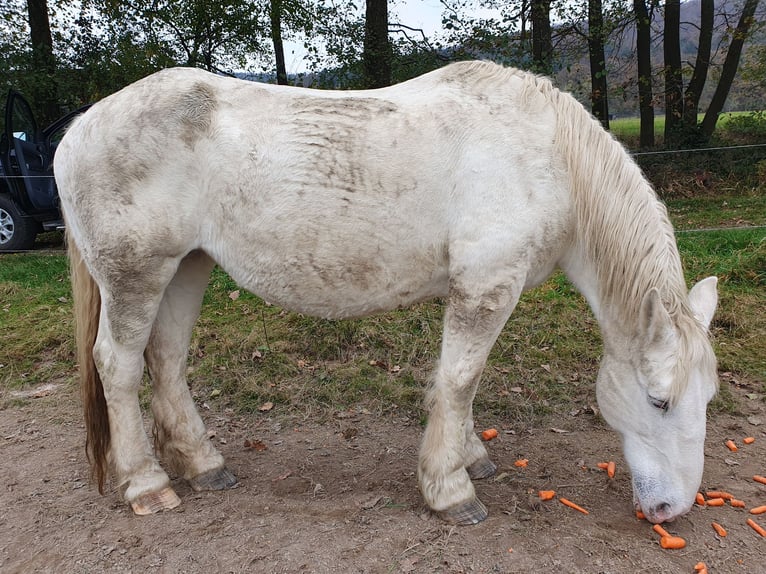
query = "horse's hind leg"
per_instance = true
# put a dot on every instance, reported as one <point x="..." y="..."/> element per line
<point x="130" y="300"/>
<point x="450" y="450"/>
<point x="180" y="433"/>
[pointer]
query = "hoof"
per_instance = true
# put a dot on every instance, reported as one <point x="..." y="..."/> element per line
<point x="216" y="479"/>
<point x="465" y="514"/>
<point x="154" y="502"/>
<point x="483" y="468"/>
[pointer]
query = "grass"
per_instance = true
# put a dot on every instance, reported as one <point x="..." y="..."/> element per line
<point x="630" y="128"/>
<point x="245" y="352"/>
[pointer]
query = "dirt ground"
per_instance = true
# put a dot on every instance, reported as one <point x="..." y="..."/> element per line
<point x="342" y="497"/>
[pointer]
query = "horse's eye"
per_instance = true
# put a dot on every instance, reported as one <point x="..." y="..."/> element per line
<point x="659" y="404"/>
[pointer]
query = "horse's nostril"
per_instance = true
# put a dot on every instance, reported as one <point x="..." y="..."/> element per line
<point x="662" y="509"/>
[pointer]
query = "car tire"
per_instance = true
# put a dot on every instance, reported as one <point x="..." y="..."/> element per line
<point x="16" y="231"/>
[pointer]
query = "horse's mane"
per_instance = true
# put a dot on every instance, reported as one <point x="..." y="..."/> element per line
<point x="621" y="226"/>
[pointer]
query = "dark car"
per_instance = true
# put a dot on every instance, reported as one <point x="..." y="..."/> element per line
<point x="29" y="202"/>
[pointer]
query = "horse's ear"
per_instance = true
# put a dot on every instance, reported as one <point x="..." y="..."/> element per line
<point x="654" y="320"/>
<point x="703" y="300"/>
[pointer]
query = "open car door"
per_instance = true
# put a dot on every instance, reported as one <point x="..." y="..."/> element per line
<point x="29" y="156"/>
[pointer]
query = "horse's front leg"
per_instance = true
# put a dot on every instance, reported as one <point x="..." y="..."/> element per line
<point x="180" y="433"/>
<point x="451" y="453"/>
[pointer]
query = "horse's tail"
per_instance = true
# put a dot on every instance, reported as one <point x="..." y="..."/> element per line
<point x="87" y="310"/>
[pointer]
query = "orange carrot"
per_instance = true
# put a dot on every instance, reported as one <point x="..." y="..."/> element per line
<point x="640" y="515"/>
<point x="521" y="463"/>
<point x="719" y="494"/>
<point x="700" y="499"/>
<point x="488" y="434"/>
<point x="737" y="503"/>
<point x="610" y="468"/>
<point x="672" y="542"/>
<point x="731" y="446"/>
<point x="546" y="494"/>
<point x="757" y="527"/>
<point x="758" y="510"/>
<point x="759" y="478"/>
<point x="661" y="531"/>
<point x="700" y="568"/>
<point x="571" y="504"/>
<point x="748" y="440"/>
<point x="715" y="502"/>
<point x="719" y="529"/>
<point x="603" y="465"/>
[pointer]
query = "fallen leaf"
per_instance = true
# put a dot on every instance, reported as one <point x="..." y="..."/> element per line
<point x="561" y="431"/>
<point x="266" y="406"/>
<point x="546" y="368"/>
<point x="215" y="393"/>
<point x="255" y="444"/>
<point x="516" y="389"/>
<point x="234" y="295"/>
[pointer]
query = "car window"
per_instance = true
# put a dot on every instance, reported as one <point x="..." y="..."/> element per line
<point x="22" y="121"/>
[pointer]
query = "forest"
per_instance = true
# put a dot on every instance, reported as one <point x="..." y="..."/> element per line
<point x="684" y="62"/>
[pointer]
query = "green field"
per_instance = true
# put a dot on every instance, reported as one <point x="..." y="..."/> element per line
<point x="628" y="129"/>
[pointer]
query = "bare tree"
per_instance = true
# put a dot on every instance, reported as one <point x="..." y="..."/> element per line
<point x="598" y="91"/>
<point x="729" y="70"/>
<point x="377" y="54"/>
<point x="43" y="61"/>
<point x="674" y="84"/>
<point x="644" y="60"/>
<point x="542" y="44"/>
<point x="701" y="65"/>
<point x="275" y="17"/>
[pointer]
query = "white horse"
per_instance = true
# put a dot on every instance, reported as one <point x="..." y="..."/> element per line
<point x="470" y="183"/>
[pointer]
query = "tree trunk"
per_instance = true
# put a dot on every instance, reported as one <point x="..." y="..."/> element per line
<point x="598" y="91"/>
<point x="275" y="15"/>
<point x="701" y="66"/>
<point x="44" y="64"/>
<point x="674" y="84"/>
<point x="542" y="44"/>
<point x="643" y="52"/>
<point x="377" y="48"/>
<point x="729" y="69"/>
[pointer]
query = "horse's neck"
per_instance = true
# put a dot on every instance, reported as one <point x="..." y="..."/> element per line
<point x="624" y="247"/>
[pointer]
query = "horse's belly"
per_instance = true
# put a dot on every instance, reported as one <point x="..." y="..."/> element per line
<point x="352" y="280"/>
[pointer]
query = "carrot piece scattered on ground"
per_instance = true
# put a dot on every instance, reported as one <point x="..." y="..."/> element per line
<point x="715" y="502"/>
<point x="661" y="531"/>
<point x="731" y="446"/>
<point x="610" y="469"/>
<point x="719" y="494"/>
<point x="700" y="568"/>
<point x="603" y="465"/>
<point x="672" y="542"/>
<point x="757" y="527"/>
<point x="700" y="499"/>
<point x="488" y="434"/>
<point x="719" y="529"/>
<point x="758" y="510"/>
<point x="759" y="478"/>
<point x="748" y="440"/>
<point x="737" y="503"/>
<point x="521" y="463"/>
<point x="640" y="515"/>
<point x="546" y="494"/>
<point x="571" y="504"/>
